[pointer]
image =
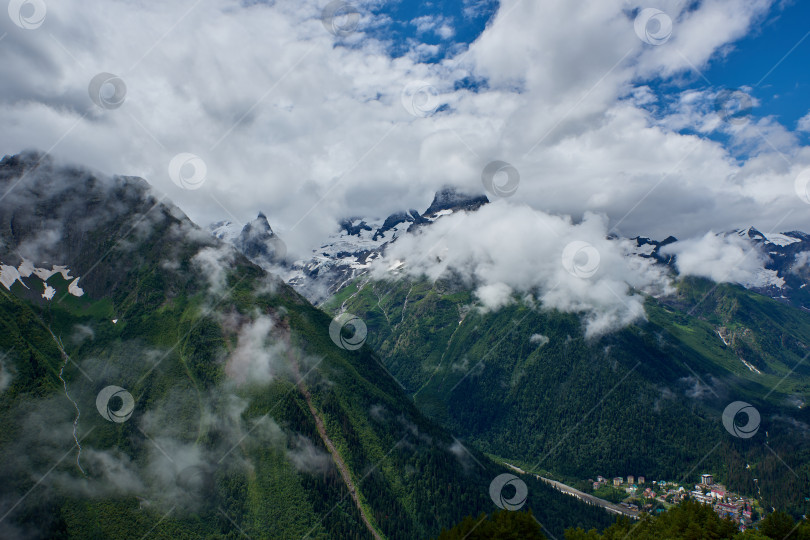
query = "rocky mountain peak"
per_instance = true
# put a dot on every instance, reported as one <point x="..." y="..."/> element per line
<point x="26" y="159"/>
<point x="452" y="198"/>
<point x="259" y="243"/>
<point x="411" y="216"/>
<point x="354" y="226"/>
<point x="258" y="225"/>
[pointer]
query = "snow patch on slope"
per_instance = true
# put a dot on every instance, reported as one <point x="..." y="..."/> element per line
<point x="227" y="231"/>
<point x="781" y="239"/>
<point x="9" y="275"/>
<point x="777" y="239"/>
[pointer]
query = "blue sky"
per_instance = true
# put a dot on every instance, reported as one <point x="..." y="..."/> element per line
<point x="783" y="90"/>
<point x="467" y="19"/>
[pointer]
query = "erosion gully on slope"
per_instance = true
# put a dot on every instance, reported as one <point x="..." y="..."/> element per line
<point x="333" y="451"/>
<point x="66" y="359"/>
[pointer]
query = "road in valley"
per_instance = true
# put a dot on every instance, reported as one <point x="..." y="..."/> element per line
<point x="590" y="499"/>
<point x="584" y="497"/>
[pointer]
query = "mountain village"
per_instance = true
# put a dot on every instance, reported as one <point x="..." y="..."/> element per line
<point x="642" y="495"/>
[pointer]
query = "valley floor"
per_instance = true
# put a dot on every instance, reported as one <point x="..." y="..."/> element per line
<point x="585" y="497"/>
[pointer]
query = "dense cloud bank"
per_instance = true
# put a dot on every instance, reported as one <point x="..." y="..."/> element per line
<point x="507" y="252"/>
<point x="285" y="121"/>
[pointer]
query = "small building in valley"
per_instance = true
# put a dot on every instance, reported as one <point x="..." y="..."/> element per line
<point x="706" y="479"/>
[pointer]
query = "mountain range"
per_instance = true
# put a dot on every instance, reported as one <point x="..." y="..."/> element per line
<point x="530" y="385"/>
<point x="187" y="393"/>
<point x="349" y="252"/>
<point x="160" y="380"/>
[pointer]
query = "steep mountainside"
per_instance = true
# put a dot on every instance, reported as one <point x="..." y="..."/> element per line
<point x="186" y="393"/>
<point x="528" y="386"/>
<point x="525" y="384"/>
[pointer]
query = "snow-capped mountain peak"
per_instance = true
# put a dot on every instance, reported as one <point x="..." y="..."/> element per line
<point x="451" y="198"/>
<point x="777" y="239"/>
<point x="358" y="241"/>
<point x="256" y="239"/>
<point x="345" y="254"/>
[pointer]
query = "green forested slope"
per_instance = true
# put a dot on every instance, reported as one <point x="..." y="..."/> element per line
<point x="221" y="442"/>
<point x="644" y="400"/>
<point x="687" y="521"/>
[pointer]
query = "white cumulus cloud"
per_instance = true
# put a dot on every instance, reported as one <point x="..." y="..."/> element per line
<point x="505" y="248"/>
<point x="288" y="121"/>
<point x="722" y="258"/>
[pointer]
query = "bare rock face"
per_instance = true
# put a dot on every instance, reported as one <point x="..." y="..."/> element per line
<point x="450" y="198"/>
<point x="259" y="243"/>
<point x="100" y="227"/>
